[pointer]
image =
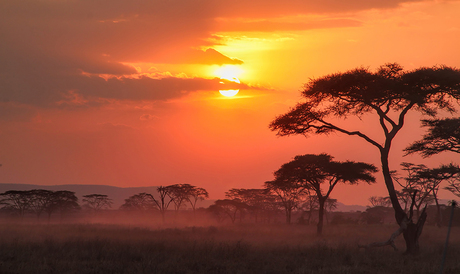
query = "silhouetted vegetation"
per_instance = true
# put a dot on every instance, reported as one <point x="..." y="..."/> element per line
<point x="38" y="201"/>
<point x="443" y="135"/>
<point x="97" y="202"/>
<point x="389" y="94"/>
<point x="311" y="172"/>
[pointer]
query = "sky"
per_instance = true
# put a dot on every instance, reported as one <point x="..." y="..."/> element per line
<point x="126" y="93"/>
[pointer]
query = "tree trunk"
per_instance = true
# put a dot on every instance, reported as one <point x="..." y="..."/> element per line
<point x="400" y="215"/>
<point x="438" y="213"/>
<point x="413" y="231"/>
<point x="319" y="229"/>
<point x="288" y="216"/>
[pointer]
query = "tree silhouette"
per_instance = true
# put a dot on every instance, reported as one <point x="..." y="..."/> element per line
<point x="228" y="208"/>
<point x="259" y="201"/>
<point x="180" y="193"/>
<point x="290" y="195"/>
<point x="16" y="201"/>
<point x="433" y="177"/>
<point x="97" y="202"/>
<point x="140" y="202"/>
<point x="39" y="201"/>
<point x="389" y="94"/>
<point x="443" y="135"/>
<point x="379" y="201"/>
<point x="196" y="194"/>
<point x="164" y="201"/>
<point x="62" y="201"/>
<point x="414" y="191"/>
<point x="312" y="172"/>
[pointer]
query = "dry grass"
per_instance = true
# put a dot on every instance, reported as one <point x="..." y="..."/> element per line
<point x="93" y="248"/>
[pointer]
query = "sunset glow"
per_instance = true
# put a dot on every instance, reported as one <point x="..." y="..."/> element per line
<point x="162" y="92"/>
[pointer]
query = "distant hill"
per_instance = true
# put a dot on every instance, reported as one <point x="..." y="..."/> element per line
<point x="348" y="208"/>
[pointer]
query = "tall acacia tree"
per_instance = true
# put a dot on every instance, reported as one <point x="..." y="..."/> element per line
<point x="320" y="174"/>
<point x="389" y="94"/>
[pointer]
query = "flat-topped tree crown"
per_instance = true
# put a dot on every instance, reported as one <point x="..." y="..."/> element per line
<point x="356" y="92"/>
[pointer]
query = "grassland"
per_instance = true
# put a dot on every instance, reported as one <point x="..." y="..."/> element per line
<point x="99" y="248"/>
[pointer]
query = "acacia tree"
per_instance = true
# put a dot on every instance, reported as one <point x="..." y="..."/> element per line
<point x="433" y="177"/>
<point x="415" y="192"/>
<point x="290" y="194"/>
<point x="312" y="172"/>
<point x="179" y="193"/>
<point x="16" y="201"/>
<point x="164" y="201"/>
<point x="228" y="208"/>
<point x="388" y="94"/>
<point x="97" y="202"/>
<point x="379" y="201"/>
<point x="141" y="202"/>
<point x="258" y="200"/>
<point x="40" y="200"/>
<point x="196" y="194"/>
<point x="62" y="201"/>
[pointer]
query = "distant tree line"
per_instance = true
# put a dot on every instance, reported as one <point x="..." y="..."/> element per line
<point x="38" y="202"/>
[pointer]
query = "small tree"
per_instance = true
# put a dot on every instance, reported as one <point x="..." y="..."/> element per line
<point x="414" y="192"/>
<point x="139" y="202"/>
<point x="290" y="195"/>
<point x="312" y="172"/>
<point x="228" y="208"/>
<point x="310" y="206"/>
<point x="97" y="202"/>
<point x="40" y="200"/>
<point x="259" y="201"/>
<point x="196" y="194"/>
<point x="164" y="201"/>
<point x="16" y="201"/>
<point x="433" y="177"/>
<point x="379" y="201"/>
<point x="63" y="201"/>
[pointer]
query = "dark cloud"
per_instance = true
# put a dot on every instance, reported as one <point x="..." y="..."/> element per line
<point x="52" y="90"/>
<point x="46" y="45"/>
<point x="269" y="26"/>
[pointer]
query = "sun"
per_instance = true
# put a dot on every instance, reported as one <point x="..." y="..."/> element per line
<point x="229" y="73"/>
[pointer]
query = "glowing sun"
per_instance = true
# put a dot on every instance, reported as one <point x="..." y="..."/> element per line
<point x="229" y="73"/>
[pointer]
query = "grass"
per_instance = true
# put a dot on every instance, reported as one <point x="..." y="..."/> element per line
<point x="97" y="248"/>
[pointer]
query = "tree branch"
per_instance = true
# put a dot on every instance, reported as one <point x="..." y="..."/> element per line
<point x="391" y="240"/>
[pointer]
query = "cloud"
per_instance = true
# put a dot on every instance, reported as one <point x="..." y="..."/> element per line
<point x="46" y="45"/>
<point x="51" y="90"/>
<point x="145" y="117"/>
<point x="270" y="26"/>
<point x="210" y="57"/>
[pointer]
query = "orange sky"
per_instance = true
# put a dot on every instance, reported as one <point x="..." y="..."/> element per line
<point x="126" y="93"/>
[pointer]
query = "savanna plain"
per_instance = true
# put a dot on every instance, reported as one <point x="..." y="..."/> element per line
<point x="92" y="247"/>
